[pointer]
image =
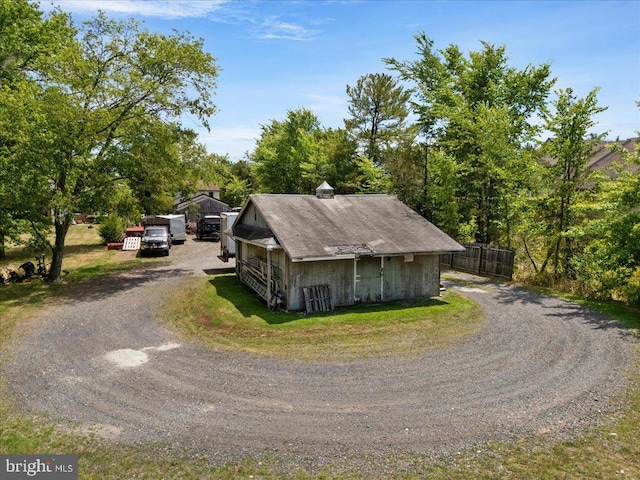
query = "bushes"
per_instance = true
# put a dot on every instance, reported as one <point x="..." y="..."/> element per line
<point x="632" y="288"/>
<point x="112" y="229"/>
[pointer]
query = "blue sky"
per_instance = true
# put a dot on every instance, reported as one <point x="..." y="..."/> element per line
<point x="277" y="56"/>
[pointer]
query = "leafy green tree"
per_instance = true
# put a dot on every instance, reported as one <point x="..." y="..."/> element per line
<point x="436" y="200"/>
<point x="26" y="43"/>
<point x="111" y="229"/>
<point x="480" y="111"/>
<point x="282" y="149"/>
<point x="378" y="108"/>
<point x="242" y="170"/>
<point x="606" y="259"/>
<point x="407" y="168"/>
<point x="236" y="191"/>
<point x="567" y="174"/>
<point x="371" y="178"/>
<point x="339" y="160"/>
<point x="297" y="154"/>
<point x="104" y="112"/>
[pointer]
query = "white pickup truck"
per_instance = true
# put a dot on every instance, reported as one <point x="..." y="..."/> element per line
<point x="156" y="240"/>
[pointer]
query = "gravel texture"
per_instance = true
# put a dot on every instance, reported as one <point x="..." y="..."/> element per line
<point x="539" y="365"/>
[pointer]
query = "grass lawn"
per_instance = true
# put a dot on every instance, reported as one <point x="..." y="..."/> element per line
<point x="225" y="316"/>
<point x="222" y="314"/>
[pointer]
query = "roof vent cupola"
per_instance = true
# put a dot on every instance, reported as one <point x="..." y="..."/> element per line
<point x="324" y="191"/>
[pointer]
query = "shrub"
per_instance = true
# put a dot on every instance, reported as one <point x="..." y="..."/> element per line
<point x="111" y="229"/>
<point x="632" y="289"/>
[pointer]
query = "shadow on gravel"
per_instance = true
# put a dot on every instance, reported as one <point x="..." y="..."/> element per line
<point x="510" y="295"/>
<point x="104" y="287"/>
<point x="567" y="310"/>
<point x="556" y="307"/>
<point x="551" y="306"/>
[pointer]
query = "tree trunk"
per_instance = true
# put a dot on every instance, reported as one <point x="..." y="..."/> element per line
<point x="62" y="225"/>
<point x="526" y="249"/>
<point x="561" y="229"/>
<point x="547" y="258"/>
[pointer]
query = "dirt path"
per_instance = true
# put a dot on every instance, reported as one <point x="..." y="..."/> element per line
<point x="539" y="366"/>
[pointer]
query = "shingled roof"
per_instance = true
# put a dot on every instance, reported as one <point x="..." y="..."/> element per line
<point x="604" y="158"/>
<point x="309" y="227"/>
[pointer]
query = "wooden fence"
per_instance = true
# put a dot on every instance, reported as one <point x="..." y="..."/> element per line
<point x="481" y="259"/>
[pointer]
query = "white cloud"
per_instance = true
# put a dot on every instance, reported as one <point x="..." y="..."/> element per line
<point x="232" y="141"/>
<point x="224" y="11"/>
<point x="274" y="28"/>
<point x="156" y="8"/>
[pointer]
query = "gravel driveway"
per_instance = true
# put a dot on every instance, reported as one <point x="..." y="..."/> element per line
<point x="539" y="365"/>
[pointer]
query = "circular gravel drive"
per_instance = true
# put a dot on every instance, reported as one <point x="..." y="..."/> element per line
<point x="539" y="365"/>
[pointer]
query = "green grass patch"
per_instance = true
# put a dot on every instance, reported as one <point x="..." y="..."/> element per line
<point x="81" y="241"/>
<point x="99" y="460"/>
<point x="222" y="314"/>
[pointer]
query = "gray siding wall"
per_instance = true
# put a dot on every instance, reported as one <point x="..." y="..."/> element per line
<point x="405" y="280"/>
<point x="252" y="217"/>
<point x="368" y="287"/>
<point x="336" y="273"/>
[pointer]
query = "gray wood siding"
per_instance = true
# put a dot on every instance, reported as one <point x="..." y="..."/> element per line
<point x="336" y="273"/>
<point x="252" y="217"/>
<point x="368" y="287"/>
<point x="402" y="280"/>
<point x="406" y="280"/>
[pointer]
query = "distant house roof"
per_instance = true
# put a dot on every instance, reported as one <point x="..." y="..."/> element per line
<point x="345" y="225"/>
<point x="200" y="199"/>
<point x="603" y="157"/>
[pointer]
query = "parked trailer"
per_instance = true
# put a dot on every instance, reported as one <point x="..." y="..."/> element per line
<point x="227" y="243"/>
<point x="175" y="223"/>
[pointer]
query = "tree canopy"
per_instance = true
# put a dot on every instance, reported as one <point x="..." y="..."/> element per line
<point x="479" y="111"/>
<point x="378" y="106"/>
<point x="101" y="113"/>
<point x="297" y="154"/>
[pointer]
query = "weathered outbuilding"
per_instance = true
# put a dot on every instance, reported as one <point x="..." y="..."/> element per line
<point x="359" y="248"/>
<point x="204" y="205"/>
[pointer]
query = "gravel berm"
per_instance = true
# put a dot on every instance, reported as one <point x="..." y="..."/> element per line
<point x="538" y="366"/>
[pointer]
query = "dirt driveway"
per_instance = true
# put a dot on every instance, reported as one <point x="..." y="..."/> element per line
<point x="538" y="366"/>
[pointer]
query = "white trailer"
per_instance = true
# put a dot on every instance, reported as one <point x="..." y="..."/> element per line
<point x="176" y="223"/>
<point x="227" y="243"/>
